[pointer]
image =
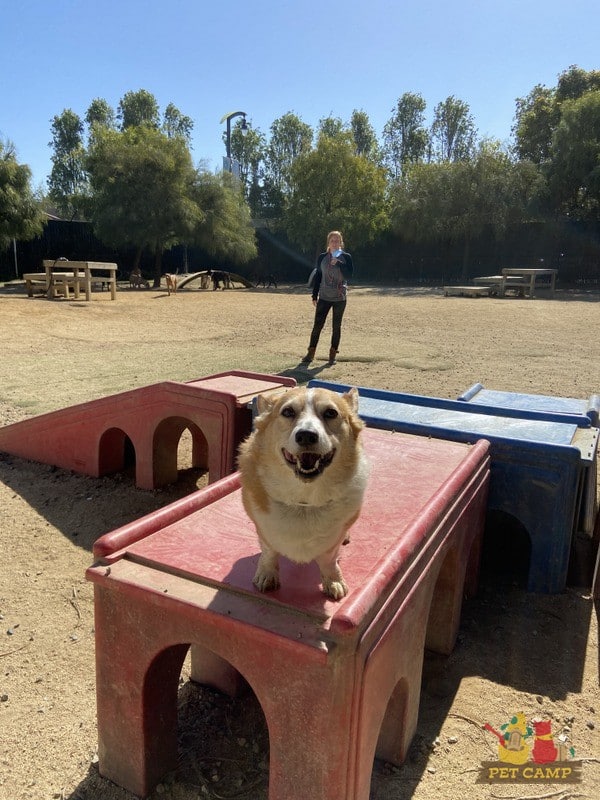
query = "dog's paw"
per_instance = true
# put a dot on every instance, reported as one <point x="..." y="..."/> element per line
<point x="266" y="581"/>
<point x="336" y="589"/>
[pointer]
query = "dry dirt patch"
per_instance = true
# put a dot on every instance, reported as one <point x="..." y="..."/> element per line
<point x="516" y="651"/>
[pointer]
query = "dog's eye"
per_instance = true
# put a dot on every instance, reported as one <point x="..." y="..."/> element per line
<point x="288" y="411"/>
<point x="330" y="413"/>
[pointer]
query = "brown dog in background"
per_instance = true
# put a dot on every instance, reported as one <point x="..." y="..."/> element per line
<point x="171" y="281"/>
<point x="303" y="475"/>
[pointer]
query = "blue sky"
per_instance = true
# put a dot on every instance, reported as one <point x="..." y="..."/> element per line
<point x="267" y="57"/>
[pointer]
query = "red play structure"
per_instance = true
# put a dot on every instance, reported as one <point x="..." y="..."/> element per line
<point x="91" y="437"/>
<point x="337" y="682"/>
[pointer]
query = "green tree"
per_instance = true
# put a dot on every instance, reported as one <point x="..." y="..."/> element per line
<point x="453" y="131"/>
<point x="141" y="185"/>
<point x="405" y="138"/>
<point x="20" y="214"/>
<point x="365" y="139"/>
<point x="226" y="230"/>
<point x="138" y="108"/>
<point x="100" y="113"/>
<point x="177" y="124"/>
<point x="539" y="113"/>
<point x="290" y="137"/>
<point x="575" y="82"/>
<point x="573" y="169"/>
<point x="536" y="118"/>
<point x="333" y="188"/>
<point x="456" y="201"/>
<point x="331" y="127"/>
<point x="248" y="149"/>
<point x="68" y="183"/>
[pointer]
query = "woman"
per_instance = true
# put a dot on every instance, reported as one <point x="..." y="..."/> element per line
<point x="334" y="267"/>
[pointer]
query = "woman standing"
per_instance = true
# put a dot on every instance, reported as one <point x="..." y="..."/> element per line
<point x="330" y="285"/>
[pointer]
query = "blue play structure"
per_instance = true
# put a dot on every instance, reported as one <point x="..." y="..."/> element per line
<point x="477" y="394"/>
<point x="542" y="460"/>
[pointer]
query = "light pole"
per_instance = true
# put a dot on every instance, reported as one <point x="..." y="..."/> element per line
<point x="228" y="118"/>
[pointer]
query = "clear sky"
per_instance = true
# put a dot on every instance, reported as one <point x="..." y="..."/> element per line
<point x="266" y="57"/>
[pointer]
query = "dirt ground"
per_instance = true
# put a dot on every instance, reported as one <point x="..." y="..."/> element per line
<point x="517" y="652"/>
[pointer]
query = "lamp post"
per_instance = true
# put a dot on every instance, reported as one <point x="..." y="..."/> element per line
<point x="227" y="118"/>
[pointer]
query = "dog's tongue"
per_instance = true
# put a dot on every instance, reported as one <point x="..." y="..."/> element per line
<point x="308" y="461"/>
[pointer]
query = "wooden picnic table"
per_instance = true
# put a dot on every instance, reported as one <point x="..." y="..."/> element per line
<point x="523" y="279"/>
<point x="65" y="274"/>
<point x="529" y="276"/>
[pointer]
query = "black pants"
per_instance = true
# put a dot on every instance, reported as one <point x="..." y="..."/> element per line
<point x="321" y="312"/>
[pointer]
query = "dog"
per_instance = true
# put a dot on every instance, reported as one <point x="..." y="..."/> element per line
<point x="219" y="277"/>
<point x="266" y="281"/>
<point x="171" y="281"/>
<point x="303" y="474"/>
<point x="136" y="280"/>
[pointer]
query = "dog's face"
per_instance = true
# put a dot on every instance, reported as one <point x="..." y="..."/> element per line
<point x="309" y="432"/>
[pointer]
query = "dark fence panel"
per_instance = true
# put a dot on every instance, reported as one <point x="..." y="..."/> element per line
<point x="572" y="248"/>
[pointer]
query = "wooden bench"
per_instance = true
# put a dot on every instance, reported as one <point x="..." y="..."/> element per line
<point x="35" y="280"/>
<point x="498" y="284"/>
<point x="466" y="291"/>
<point x="56" y="286"/>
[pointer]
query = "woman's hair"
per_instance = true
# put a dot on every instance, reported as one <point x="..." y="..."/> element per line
<point x="334" y="233"/>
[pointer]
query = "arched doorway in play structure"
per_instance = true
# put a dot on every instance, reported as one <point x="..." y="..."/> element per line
<point x="506" y="552"/>
<point x="178" y="450"/>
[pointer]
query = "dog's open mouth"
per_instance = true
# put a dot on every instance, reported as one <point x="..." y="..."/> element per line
<point x="308" y="464"/>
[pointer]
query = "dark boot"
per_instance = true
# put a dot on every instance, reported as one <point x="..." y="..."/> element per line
<point x="309" y="356"/>
<point x="332" y="355"/>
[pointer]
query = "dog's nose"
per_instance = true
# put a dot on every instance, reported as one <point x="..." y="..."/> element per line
<point x="306" y="437"/>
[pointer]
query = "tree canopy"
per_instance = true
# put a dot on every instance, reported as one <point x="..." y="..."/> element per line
<point x="141" y="182"/>
<point x="21" y="216"/>
<point x="405" y="136"/>
<point x="333" y="188"/>
<point x="68" y="182"/>
<point x="573" y="169"/>
<point x="226" y="230"/>
<point x="451" y="201"/>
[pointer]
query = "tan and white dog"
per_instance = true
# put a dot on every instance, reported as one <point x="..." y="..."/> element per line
<point x="171" y="281"/>
<point x="303" y="474"/>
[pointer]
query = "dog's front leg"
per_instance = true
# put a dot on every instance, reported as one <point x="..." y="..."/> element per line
<point x="334" y="585"/>
<point x="266" y="577"/>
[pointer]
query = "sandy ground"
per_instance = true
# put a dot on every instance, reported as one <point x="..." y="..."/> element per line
<point x="516" y="651"/>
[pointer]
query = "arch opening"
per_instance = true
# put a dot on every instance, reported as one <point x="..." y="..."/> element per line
<point x="506" y="550"/>
<point x="179" y="452"/>
<point x="116" y="453"/>
<point x="222" y="739"/>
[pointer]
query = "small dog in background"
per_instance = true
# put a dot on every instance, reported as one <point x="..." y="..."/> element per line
<point x="303" y="475"/>
<point x="136" y="280"/>
<point x="266" y="281"/>
<point x="171" y="281"/>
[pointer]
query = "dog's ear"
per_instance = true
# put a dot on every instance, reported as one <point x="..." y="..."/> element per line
<point x="356" y="423"/>
<point x="351" y="397"/>
<point x="263" y="404"/>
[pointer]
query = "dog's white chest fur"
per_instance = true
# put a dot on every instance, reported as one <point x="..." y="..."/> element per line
<point x="304" y="521"/>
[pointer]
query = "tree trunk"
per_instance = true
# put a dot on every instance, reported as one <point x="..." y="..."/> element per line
<point x="157" y="265"/>
<point x="466" y="254"/>
<point x="137" y="259"/>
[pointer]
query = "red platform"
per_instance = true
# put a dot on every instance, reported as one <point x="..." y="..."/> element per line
<point x="90" y="437"/>
<point x="337" y="681"/>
